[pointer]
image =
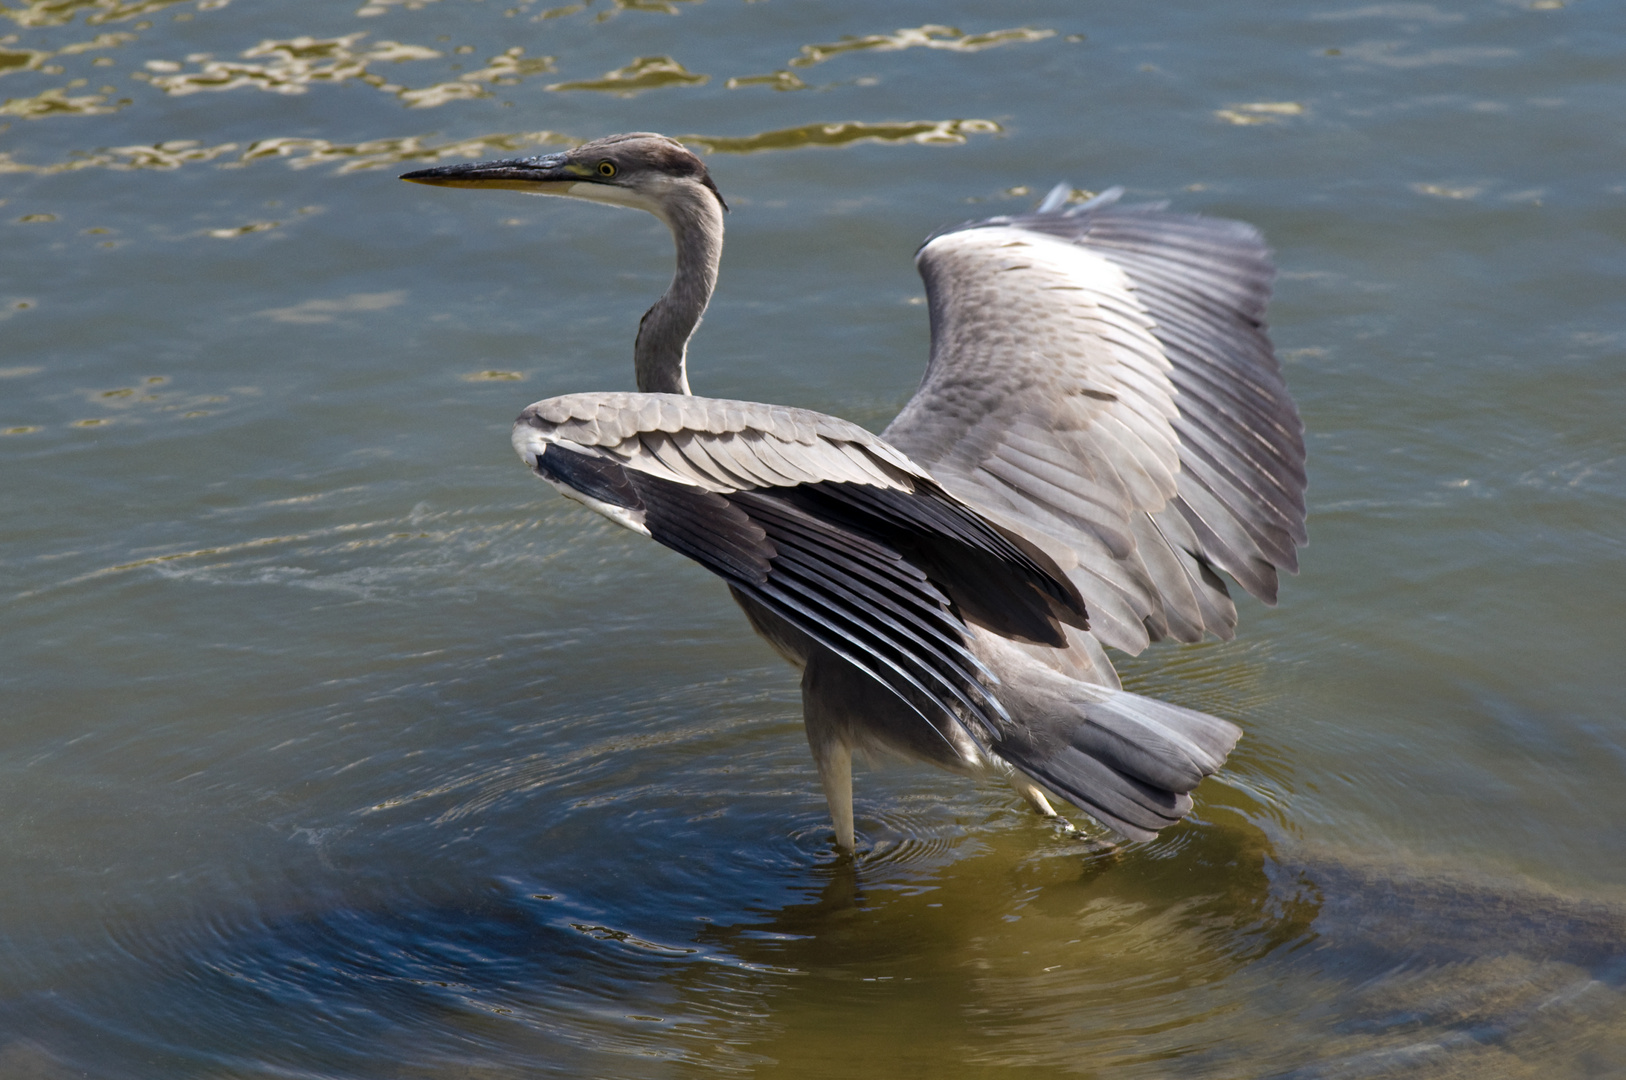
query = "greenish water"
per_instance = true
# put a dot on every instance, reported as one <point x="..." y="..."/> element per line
<point x="334" y="745"/>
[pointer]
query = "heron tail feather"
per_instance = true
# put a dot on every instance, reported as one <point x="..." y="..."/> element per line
<point x="1128" y="761"/>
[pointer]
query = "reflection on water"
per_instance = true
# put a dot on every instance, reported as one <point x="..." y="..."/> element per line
<point x="996" y="948"/>
<point x="927" y="37"/>
<point x="644" y="73"/>
<point x="335" y="746"/>
<point x="294" y="65"/>
<point x="926" y="133"/>
<point x="389" y="153"/>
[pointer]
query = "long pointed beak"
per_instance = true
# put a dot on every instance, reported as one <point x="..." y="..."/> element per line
<point x="547" y="174"/>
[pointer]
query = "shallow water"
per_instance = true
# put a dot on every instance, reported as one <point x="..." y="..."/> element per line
<point x="335" y="745"/>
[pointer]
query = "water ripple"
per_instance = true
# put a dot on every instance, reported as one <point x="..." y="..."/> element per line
<point x="304" y="152"/>
<point x="644" y="73"/>
<point x="923" y="132"/>
<point x="920" y="37"/>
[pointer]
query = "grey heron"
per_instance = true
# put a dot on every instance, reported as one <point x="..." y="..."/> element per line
<point x="1102" y="427"/>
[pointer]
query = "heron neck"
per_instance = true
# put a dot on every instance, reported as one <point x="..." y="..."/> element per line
<point x="696" y="221"/>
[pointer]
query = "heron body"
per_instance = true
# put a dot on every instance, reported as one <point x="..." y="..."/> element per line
<point x="1102" y="426"/>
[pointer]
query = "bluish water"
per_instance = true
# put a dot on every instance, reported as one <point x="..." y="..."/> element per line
<point x="335" y="745"/>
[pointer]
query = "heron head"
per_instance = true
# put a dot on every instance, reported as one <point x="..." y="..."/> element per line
<point x="640" y="170"/>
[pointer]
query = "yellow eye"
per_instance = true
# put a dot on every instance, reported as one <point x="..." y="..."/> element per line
<point x="606" y="168"/>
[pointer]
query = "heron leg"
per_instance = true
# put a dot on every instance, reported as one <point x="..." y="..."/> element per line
<point x="835" y="761"/>
<point x="1033" y="793"/>
<point x="832" y="694"/>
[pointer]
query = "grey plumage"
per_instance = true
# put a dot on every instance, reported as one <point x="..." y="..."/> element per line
<point x="1102" y="426"/>
<point x="1073" y="429"/>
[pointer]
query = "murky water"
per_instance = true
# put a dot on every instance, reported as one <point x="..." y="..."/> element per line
<point x="334" y="744"/>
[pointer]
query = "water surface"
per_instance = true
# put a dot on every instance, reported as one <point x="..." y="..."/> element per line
<point x="335" y="745"/>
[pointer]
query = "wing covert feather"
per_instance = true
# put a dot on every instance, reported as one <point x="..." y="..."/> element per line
<point x="843" y="476"/>
<point x="715" y="444"/>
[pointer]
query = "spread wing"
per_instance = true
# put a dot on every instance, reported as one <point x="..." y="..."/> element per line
<point x="1101" y="381"/>
<point x="821" y="523"/>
